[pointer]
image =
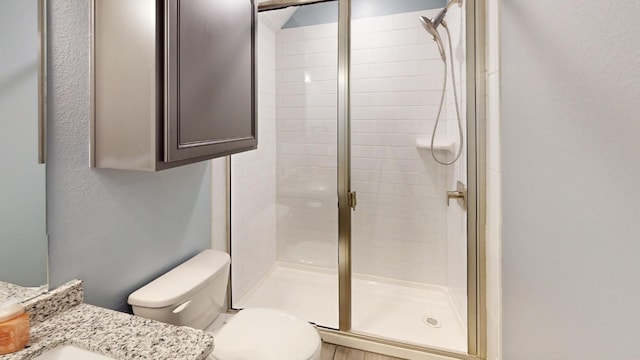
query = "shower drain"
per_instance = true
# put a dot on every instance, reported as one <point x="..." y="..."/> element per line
<point x="432" y="322"/>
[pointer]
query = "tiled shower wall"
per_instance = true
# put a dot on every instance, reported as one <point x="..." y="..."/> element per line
<point x="400" y="224"/>
<point x="306" y="64"/>
<point x="253" y="182"/>
<point x="456" y="214"/>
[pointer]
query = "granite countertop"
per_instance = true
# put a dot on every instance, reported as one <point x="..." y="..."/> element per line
<point x="111" y="333"/>
<point x="9" y="291"/>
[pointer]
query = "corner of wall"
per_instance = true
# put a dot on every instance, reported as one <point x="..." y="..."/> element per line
<point x="494" y="210"/>
<point x="219" y="204"/>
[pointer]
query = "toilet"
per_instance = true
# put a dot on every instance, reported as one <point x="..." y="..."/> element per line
<point x="193" y="294"/>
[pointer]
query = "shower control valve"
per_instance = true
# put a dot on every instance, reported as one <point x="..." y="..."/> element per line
<point x="460" y="194"/>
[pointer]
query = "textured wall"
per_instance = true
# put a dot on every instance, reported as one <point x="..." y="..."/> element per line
<point x="116" y="230"/>
<point x="23" y="243"/>
<point x="570" y="90"/>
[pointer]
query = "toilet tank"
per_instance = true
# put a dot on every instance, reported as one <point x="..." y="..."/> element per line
<point x="192" y="294"/>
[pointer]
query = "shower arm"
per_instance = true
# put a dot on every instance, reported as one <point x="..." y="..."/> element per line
<point x="453" y="2"/>
<point x="437" y="20"/>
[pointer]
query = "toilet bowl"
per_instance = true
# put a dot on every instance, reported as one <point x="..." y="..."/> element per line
<point x="272" y="335"/>
<point x="193" y="295"/>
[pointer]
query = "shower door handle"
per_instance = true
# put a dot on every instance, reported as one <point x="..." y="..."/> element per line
<point x="459" y="194"/>
<point x="353" y="200"/>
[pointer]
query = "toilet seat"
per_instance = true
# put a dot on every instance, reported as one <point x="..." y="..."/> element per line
<point x="266" y="334"/>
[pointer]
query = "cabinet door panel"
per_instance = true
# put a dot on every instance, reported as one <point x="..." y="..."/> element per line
<point x="210" y="78"/>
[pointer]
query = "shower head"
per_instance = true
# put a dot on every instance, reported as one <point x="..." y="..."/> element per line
<point x="432" y="25"/>
<point x="428" y="25"/>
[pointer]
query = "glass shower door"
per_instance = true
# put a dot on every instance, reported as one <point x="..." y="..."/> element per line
<point x="408" y="247"/>
<point x="346" y="112"/>
<point x="284" y="217"/>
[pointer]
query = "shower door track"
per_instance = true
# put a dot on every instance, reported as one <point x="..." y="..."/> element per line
<point x="476" y="155"/>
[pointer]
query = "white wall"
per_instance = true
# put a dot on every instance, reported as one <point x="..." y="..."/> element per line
<point x="570" y="90"/>
<point x="253" y="182"/>
<point x="23" y="242"/>
<point x="116" y="230"/>
<point x="493" y="177"/>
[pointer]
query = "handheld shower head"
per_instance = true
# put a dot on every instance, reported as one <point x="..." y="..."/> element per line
<point x="431" y="28"/>
<point x="432" y="25"/>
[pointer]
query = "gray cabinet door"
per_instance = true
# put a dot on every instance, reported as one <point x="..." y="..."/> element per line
<point x="210" y="89"/>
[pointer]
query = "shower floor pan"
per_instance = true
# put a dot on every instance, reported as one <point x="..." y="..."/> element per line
<point x="396" y="310"/>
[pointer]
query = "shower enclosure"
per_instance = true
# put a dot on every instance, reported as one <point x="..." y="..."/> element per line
<point x="342" y="215"/>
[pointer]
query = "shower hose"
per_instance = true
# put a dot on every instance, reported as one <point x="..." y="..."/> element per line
<point x="455" y="95"/>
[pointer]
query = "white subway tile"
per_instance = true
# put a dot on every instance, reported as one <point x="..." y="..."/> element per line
<point x="430" y="97"/>
<point x="322" y="73"/>
<point x="360" y="41"/>
<point x="322" y="87"/>
<point x="321" y="113"/>
<point x="368" y="85"/>
<point x="360" y="56"/>
<point x="405" y="98"/>
<point x="329" y="30"/>
<point x="321" y="100"/>
<point x="409" y="68"/>
<point x="359" y="71"/>
<point x="399" y="38"/>
<point x="290" y="88"/>
<point x="371" y="25"/>
<point x="373" y="112"/>
<point x="290" y="62"/>
<point x="360" y="99"/>
<point x="320" y="45"/>
<point x="328" y="58"/>
<point x="381" y="55"/>
<point x="415" y="112"/>
<point x="293" y="48"/>
<point x="436" y="67"/>
<point x="421" y="51"/>
<point x="291" y="75"/>
<point x="289" y="35"/>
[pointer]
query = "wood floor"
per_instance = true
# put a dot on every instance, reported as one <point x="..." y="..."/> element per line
<point x="335" y="352"/>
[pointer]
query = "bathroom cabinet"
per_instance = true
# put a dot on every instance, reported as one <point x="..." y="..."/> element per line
<point x="173" y="82"/>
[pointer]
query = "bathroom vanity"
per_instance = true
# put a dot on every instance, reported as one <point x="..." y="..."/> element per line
<point x="173" y="82"/>
<point x="61" y="318"/>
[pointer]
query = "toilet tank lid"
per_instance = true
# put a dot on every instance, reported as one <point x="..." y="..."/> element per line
<point x="181" y="283"/>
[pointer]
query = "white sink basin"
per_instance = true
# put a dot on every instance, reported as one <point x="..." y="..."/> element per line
<point x="70" y="352"/>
